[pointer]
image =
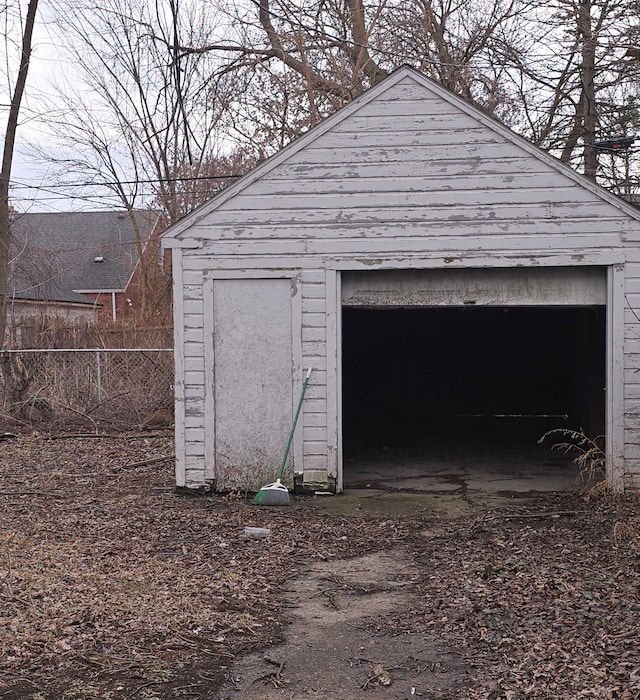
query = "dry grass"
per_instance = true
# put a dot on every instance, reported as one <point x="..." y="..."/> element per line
<point x="94" y="391"/>
<point x="587" y="453"/>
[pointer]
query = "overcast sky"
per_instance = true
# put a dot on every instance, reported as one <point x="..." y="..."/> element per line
<point x="48" y="66"/>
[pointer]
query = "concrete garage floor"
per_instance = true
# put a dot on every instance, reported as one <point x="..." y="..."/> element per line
<point x="463" y="470"/>
<point x="418" y="484"/>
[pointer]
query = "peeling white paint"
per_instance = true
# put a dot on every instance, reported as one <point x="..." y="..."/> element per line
<point x="406" y="178"/>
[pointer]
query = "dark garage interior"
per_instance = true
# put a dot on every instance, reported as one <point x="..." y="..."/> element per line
<point x="464" y="382"/>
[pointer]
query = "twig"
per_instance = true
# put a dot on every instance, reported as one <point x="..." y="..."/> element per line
<point x="186" y="687"/>
<point x="623" y="635"/>
<point x="275" y="662"/>
<point x="199" y="647"/>
<point x="12" y="690"/>
<point x="13" y="596"/>
<point x="382" y="675"/>
<point x="478" y="522"/>
<point x="365" y="685"/>
<point x="168" y="431"/>
<point x="78" y="412"/>
<point x="114" y="436"/>
<point x="274" y="677"/>
<point x="93" y="662"/>
<point x="78" y="474"/>
<point x="81" y="436"/>
<point x="542" y="514"/>
<point x="215" y="654"/>
<point x="146" y="462"/>
<point x="13" y="418"/>
<point x="148" y="685"/>
<point x="330" y="596"/>
<point x="32" y="493"/>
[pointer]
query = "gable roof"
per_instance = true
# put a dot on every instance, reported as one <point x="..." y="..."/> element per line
<point x="56" y="255"/>
<point x="436" y="91"/>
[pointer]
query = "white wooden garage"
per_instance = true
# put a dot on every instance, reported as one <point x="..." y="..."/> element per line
<point x="433" y="267"/>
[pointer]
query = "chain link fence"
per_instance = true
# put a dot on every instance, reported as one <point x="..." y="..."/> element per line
<point x="88" y="389"/>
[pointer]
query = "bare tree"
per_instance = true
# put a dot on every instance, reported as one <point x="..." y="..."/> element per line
<point x="570" y="75"/>
<point x="141" y="113"/>
<point x="196" y="183"/>
<point x="7" y="158"/>
<point x="171" y="89"/>
<point x="553" y="70"/>
<point x="296" y="64"/>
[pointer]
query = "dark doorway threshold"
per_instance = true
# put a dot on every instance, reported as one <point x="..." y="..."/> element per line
<point x="448" y="399"/>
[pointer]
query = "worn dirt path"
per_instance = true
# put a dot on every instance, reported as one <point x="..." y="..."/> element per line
<point x="336" y="645"/>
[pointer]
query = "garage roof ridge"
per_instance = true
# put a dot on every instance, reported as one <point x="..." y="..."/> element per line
<point x="373" y="93"/>
<point x="290" y="149"/>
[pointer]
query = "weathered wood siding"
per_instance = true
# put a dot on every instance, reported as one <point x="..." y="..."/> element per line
<point x="632" y="366"/>
<point x="520" y="286"/>
<point x="407" y="176"/>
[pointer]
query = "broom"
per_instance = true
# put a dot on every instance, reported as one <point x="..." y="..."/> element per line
<point x="277" y="494"/>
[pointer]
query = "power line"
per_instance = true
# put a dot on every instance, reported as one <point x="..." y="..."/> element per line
<point x="23" y="185"/>
<point x="107" y="197"/>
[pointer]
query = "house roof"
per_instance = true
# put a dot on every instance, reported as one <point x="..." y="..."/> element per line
<point x="57" y="255"/>
<point x="21" y="287"/>
<point x="405" y="72"/>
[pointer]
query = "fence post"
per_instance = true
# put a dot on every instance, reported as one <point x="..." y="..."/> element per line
<point x="99" y="368"/>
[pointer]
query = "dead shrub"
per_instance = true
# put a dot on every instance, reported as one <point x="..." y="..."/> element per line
<point x="82" y="375"/>
<point x="87" y="389"/>
<point x="588" y="454"/>
<point x="132" y="333"/>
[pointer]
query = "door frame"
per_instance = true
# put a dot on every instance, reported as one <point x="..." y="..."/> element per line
<point x="294" y="275"/>
<point x="615" y="333"/>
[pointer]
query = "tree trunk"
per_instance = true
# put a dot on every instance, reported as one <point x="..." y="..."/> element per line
<point x="7" y="160"/>
<point x="142" y="264"/>
<point x="590" y="115"/>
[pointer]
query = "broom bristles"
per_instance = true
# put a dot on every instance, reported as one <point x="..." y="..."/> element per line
<point x="275" y="494"/>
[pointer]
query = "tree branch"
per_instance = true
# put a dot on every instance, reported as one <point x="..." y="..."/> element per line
<point x="359" y="54"/>
<point x="317" y="81"/>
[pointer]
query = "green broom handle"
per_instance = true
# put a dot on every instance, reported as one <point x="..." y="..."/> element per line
<point x="295" y="421"/>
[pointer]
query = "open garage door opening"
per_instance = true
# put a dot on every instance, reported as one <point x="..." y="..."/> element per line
<point x="466" y="390"/>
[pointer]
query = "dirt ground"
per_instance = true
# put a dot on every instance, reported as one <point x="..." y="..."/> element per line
<point x="113" y="586"/>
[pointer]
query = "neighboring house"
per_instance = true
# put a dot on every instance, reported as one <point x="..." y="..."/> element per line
<point x="81" y="255"/>
<point x="59" y="304"/>
<point x="436" y="270"/>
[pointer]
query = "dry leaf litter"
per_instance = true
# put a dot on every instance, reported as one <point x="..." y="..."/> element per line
<point x="112" y="585"/>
